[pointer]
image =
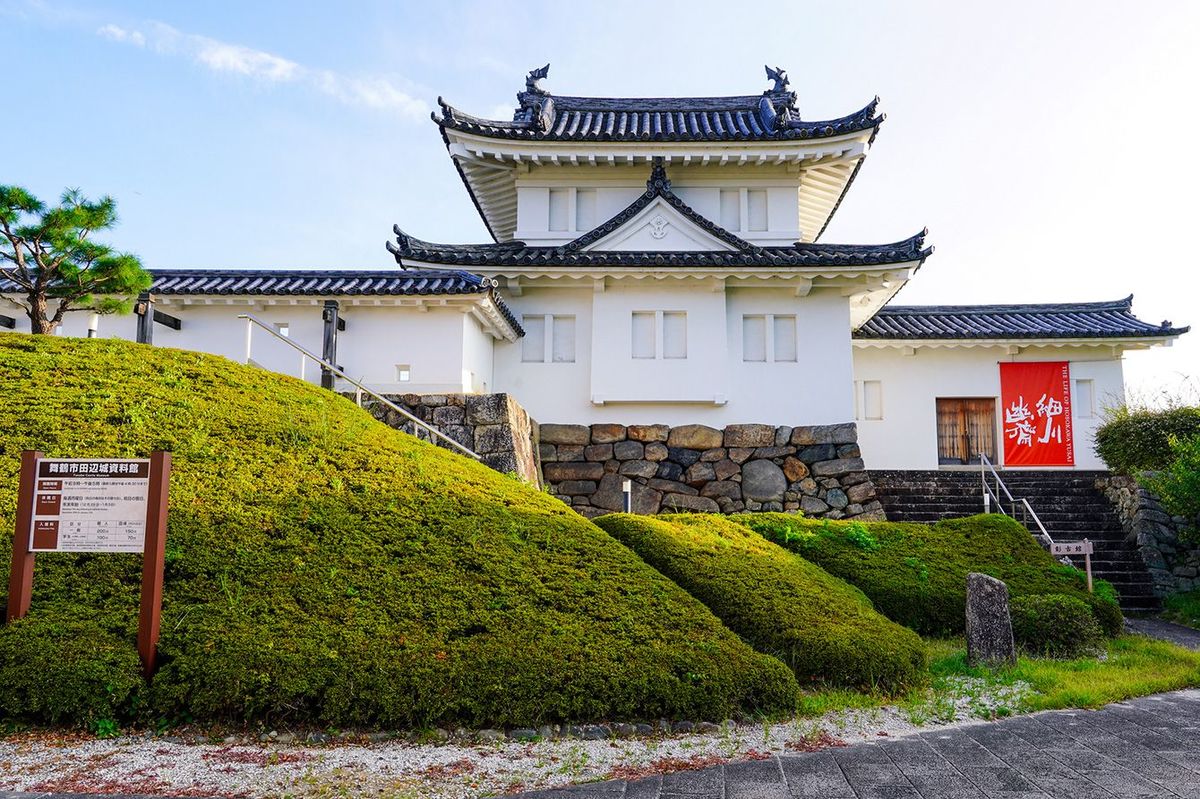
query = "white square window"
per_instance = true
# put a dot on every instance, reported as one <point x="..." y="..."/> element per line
<point x="1084" y="400"/>
<point x="403" y="373"/>
<point x="785" y="338"/>
<point x="754" y="339"/>
<point x="731" y="209"/>
<point x="563" y="333"/>
<point x="674" y="334"/>
<point x="559" y="209"/>
<point x="756" y="209"/>
<point x="533" y="343"/>
<point x="283" y="329"/>
<point x="585" y="210"/>
<point x="643" y="335"/>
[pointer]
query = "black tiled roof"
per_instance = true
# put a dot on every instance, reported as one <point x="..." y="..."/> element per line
<point x="745" y="254"/>
<point x="1055" y="320"/>
<point x="317" y="283"/>
<point x="309" y="283"/>
<point x="770" y="116"/>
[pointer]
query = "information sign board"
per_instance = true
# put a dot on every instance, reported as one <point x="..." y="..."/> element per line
<point x="93" y="505"/>
<point x="86" y="505"/>
<point x="1072" y="548"/>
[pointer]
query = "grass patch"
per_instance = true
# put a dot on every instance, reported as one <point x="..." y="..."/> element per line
<point x="1183" y="609"/>
<point x="324" y="567"/>
<point x="916" y="574"/>
<point x="825" y="630"/>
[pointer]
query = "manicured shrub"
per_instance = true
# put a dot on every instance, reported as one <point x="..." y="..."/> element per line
<point x="916" y="574"/>
<point x="1055" y="625"/>
<point x="1133" y="440"/>
<point x="323" y="566"/>
<point x="825" y="630"/>
<point x="61" y="666"/>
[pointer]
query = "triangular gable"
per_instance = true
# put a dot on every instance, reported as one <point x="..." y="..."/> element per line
<point x="659" y="221"/>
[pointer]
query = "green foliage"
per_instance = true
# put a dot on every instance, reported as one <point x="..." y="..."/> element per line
<point x="51" y="254"/>
<point x="58" y="665"/>
<point x="917" y="574"/>
<point x="324" y="567"/>
<point x="1134" y="440"/>
<point x="1177" y="485"/>
<point x="822" y="628"/>
<point x="1055" y="625"/>
<point x="1183" y="608"/>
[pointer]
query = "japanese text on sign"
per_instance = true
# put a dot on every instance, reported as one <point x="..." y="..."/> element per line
<point x="1036" y="400"/>
<point x="90" y="505"/>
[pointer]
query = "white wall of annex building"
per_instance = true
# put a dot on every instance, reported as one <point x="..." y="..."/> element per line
<point x="906" y="436"/>
<point x="442" y="347"/>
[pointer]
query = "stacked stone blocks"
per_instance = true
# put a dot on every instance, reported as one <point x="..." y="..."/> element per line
<point x="1174" y="565"/>
<point x="745" y="467"/>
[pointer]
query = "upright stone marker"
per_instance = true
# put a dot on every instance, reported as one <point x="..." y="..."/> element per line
<point x="989" y="625"/>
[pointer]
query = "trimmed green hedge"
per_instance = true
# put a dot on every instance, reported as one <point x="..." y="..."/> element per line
<point x="1133" y="441"/>
<point x="1055" y="625"/>
<point x="822" y="628"/>
<point x="323" y="566"/>
<point x="916" y="574"/>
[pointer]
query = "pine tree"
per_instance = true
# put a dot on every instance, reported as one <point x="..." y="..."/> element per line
<point x="49" y="254"/>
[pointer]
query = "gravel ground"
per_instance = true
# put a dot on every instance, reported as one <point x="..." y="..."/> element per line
<point x="141" y="765"/>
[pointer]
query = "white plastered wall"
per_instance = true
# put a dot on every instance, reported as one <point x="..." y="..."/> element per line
<point x="713" y="385"/>
<point x="906" y="436"/>
<point x="444" y="347"/>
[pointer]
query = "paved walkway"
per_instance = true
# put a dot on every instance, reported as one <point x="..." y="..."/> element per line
<point x="1165" y="631"/>
<point x="1148" y="747"/>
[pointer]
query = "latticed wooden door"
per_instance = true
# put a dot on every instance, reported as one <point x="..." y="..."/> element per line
<point x="965" y="428"/>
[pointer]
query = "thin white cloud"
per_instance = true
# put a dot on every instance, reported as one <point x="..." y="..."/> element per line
<point x="116" y="33"/>
<point x="373" y="92"/>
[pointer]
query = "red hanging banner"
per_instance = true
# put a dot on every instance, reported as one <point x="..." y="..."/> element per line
<point x="1036" y="399"/>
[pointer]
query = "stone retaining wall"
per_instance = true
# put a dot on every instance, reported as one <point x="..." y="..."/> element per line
<point x="745" y="467"/>
<point x="493" y="425"/>
<point x="1174" y="567"/>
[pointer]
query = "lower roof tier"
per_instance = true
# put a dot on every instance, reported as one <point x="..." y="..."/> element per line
<point x="1083" y="320"/>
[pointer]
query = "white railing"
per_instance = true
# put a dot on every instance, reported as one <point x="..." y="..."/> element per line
<point x="1016" y="507"/>
<point x="359" y="388"/>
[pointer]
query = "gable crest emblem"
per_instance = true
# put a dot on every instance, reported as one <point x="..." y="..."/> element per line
<point x="658" y="227"/>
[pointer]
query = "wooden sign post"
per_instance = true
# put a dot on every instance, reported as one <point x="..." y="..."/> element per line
<point x="94" y="505"/>
<point x="1083" y="547"/>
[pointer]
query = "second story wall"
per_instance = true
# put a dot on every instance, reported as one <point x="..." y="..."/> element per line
<point x="558" y="204"/>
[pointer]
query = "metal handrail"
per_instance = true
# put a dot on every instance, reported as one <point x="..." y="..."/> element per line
<point x="989" y="496"/>
<point x="360" y="389"/>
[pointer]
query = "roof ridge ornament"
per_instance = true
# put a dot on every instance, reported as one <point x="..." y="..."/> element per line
<point x="537" y="106"/>
<point x="658" y="182"/>
<point x="779" y="75"/>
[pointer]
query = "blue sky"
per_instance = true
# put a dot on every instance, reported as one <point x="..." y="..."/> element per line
<point x="1047" y="146"/>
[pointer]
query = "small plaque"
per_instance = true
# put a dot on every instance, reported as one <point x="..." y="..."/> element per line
<point x="1071" y="548"/>
<point x="90" y="505"/>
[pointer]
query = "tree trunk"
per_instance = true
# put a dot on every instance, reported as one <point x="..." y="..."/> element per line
<point x="39" y="322"/>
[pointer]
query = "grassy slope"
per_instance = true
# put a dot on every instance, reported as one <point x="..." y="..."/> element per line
<point x="916" y="574"/>
<point x="321" y="565"/>
<point x="1183" y="609"/>
<point x="824" y="629"/>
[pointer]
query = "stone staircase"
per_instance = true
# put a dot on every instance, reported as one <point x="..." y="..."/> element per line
<point x="1068" y="503"/>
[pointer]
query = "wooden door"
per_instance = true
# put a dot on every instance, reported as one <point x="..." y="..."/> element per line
<point x="965" y="428"/>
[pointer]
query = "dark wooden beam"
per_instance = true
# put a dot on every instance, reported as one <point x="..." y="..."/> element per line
<point x="173" y="322"/>
<point x="329" y="315"/>
<point x="144" y="308"/>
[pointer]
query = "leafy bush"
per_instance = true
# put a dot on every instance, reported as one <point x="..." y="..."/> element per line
<point x="323" y="566"/>
<point x="58" y="666"/>
<point x="1055" y="625"/>
<point x="917" y="574"/>
<point x="1134" y="440"/>
<point x="822" y="628"/>
<point x="1178" y="484"/>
